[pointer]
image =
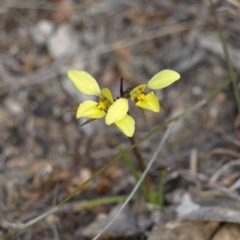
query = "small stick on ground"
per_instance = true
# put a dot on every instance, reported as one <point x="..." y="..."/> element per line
<point x="193" y="161"/>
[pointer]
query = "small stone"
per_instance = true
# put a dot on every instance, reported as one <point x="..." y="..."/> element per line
<point x="186" y="206"/>
<point x="14" y="107"/>
<point x="197" y="91"/>
<point x="124" y="225"/>
<point x="42" y="31"/>
<point x="63" y="42"/>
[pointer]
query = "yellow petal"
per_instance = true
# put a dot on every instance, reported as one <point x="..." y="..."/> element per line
<point x="150" y="102"/>
<point x="107" y="94"/>
<point x="126" y="125"/>
<point x="137" y="91"/>
<point x="117" y="111"/>
<point x="163" y="79"/>
<point x="89" y="109"/>
<point x="84" y="82"/>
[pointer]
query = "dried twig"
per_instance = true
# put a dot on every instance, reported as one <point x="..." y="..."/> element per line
<point x="218" y="173"/>
<point x="193" y="161"/>
<point x="232" y="140"/>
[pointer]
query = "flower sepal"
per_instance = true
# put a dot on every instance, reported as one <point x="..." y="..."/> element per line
<point x="150" y="102"/>
<point x="126" y="125"/>
<point x="90" y="109"/>
<point x="84" y="82"/>
<point x="163" y="79"/>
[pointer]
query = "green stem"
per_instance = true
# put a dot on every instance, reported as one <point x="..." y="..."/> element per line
<point x="227" y="58"/>
<point x="219" y="89"/>
<point x="98" y="202"/>
<point x="134" y="172"/>
<point x="160" y="188"/>
<point x="147" y="180"/>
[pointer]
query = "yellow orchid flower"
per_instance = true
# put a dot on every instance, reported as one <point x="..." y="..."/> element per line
<point x="86" y="84"/>
<point x="148" y="101"/>
<point x="160" y="80"/>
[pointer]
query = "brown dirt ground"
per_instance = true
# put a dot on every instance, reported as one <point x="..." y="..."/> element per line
<point x="44" y="155"/>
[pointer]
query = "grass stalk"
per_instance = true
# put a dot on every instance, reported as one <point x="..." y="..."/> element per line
<point x="98" y="202"/>
<point x="227" y="58"/>
<point x="160" y="198"/>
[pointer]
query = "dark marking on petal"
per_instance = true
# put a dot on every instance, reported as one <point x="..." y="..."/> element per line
<point x="88" y="121"/>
